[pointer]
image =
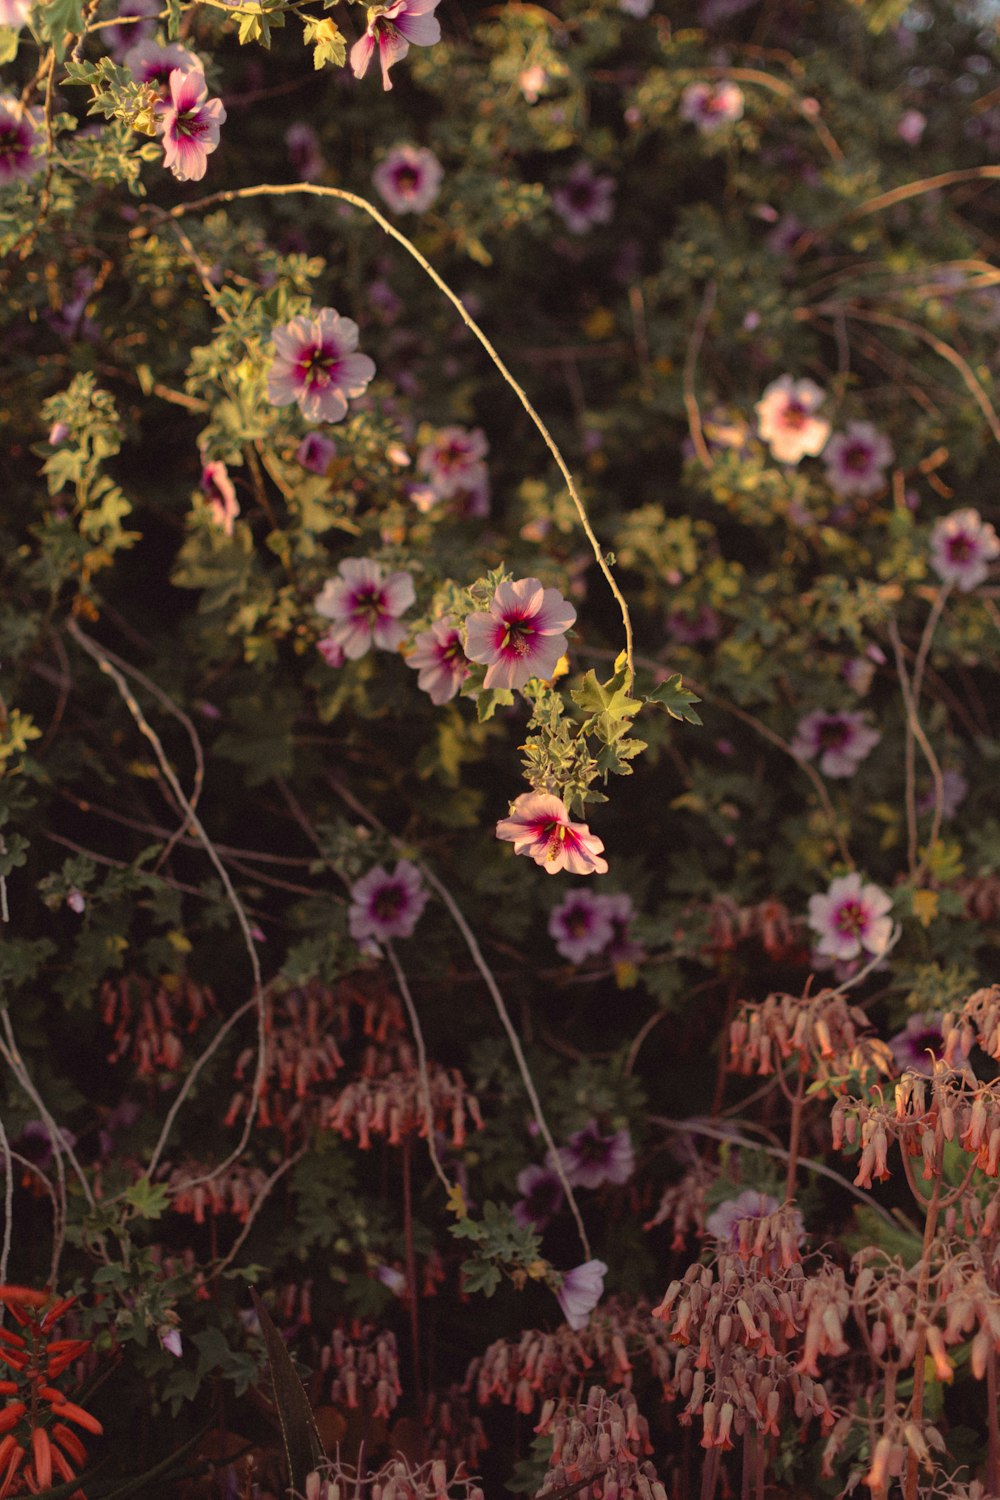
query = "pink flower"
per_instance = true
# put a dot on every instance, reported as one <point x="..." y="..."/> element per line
<point x="330" y="651"/>
<point x="21" y="148"/>
<point x="170" y="1340"/>
<point x="922" y="1035"/>
<point x="365" y="607"/>
<point x="453" y="459"/>
<point x="689" y="629"/>
<point x="438" y="657"/>
<point x="532" y="82"/>
<point x="220" y="496"/>
<point x="304" y="151"/>
<point x="539" y="826"/>
<point x="842" y="741"/>
<point x="395" y="27"/>
<point x="910" y="126"/>
<point x="541" y="1197"/>
<point x="316" y="452"/>
<point x="856" y="460"/>
<point x="189" y="125"/>
<point x="153" y="63"/>
<point x="786" y="421"/>
<point x="584" y="199"/>
<point x="581" y="1290"/>
<point x="521" y="636"/>
<point x="409" y="179"/>
<point x="851" y="918"/>
<point x="711" y="106"/>
<point x="315" y="365"/>
<point x="724" y="1222"/>
<point x="386" y="906"/>
<point x="640" y="9"/>
<point x="581" y="925"/>
<point x="590" y="1159"/>
<point x="962" y="547"/>
<point x="14" y="13"/>
<point x="120" y="38"/>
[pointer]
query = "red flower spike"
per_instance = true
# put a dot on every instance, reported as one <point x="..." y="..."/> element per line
<point x="16" y="1454"/>
<point x="11" y="1415"/>
<point x="55" y="1313"/>
<point x="41" y="1450"/>
<point x="68" y="1440"/>
<point x="72" y="1413"/>
<point x="22" y="1296"/>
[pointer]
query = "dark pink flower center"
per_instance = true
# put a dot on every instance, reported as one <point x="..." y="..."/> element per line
<point x="389" y="901"/>
<point x="795" y="416"/>
<point x="407" y="178"/>
<point x="834" y="734"/>
<point x="317" y="366"/>
<point x="517" y="640"/>
<point x="592" y="1150"/>
<point x="15" y="144"/>
<point x="580" y="194"/>
<point x="577" y="922"/>
<point x="961" y="548"/>
<point x="851" y="919"/>
<point x="543" y="1200"/>
<point x="368" y="601"/>
<point x="857" y="458"/>
<point x="190" y="126"/>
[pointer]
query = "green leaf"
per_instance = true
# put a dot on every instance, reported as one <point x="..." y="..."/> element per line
<point x="303" y="1445"/>
<point x="61" y="20"/>
<point x="8" y="44"/>
<point x="489" y="701"/>
<point x="147" y="1198"/>
<point x="676" y="699"/>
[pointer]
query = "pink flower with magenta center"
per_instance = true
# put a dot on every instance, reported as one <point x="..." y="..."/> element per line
<point x="591" y="1159"/>
<point x="386" y="906"/>
<point x="842" y="741"/>
<point x="541" y="1197"/>
<point x="962" y="547"/>
<point x="364" y="607"/>
<point x="409" y="179"/>
<point x="153" y="62"/>
<point x="21" y="147"/>
<point x="521" y="636"/>
<point x="711" y="106"/>
<point x="189" y="125"/>
<point x="453" y="460"/>
<point x="316" y="365"/>
<point x="581" y="926"/>
<point x="581" y="1290"/>
<point x="539" y="826"/>
<point x="316" y="453"/>
<point x="584" y="199"/>
<point x="786" y="420"/>
<point x="395" y="28"/>
<point x="856" y="459"/>
<point x="851" y="918"/>
<point x="438" y="657"/>
<point x="138" y="19"/>
<point x="220" y="496"/>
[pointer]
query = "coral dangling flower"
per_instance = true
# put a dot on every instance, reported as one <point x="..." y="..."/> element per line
<point x="438" y="657"/>
<point x="521" y="636"/>
<point x="395" y="27"/>
<point x="316" y="365"/>
<point x="962" y="547"/>
<point x="786" y="420"/>
<point x="840" y="740"/>
<point x="851" y="918"/>
<point x="539" y="826"/>
<point x="364" y="607"/>
<point x="581" y="1290"/>
<point x="189" y="125"/>
<point x="386" y="906"/>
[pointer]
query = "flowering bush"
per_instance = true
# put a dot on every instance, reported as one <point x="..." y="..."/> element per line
<point x="615" y="488"/>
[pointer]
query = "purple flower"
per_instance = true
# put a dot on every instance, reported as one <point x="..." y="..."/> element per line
<point x="786" y="420"/>
<point x="395" y="28"/>
<point x="591" y="1159"/>
<point x="189" y="125"/>
<point x="438" y="657"/>
<point x="153" y="63"/>
<point x="962" y="547"/>
<point x="954" y="790"/>
<point x="21" y="148"/>
<point x="581" y="925"/>
<point x="910" y="126"/>
<point x="922" y="1035"/>
<point x="522" y="635"/>
<point x="365" y="607"/>
<point x="392" y="1278"/>
<point x="539" y="826"/>
<point x="315" y="365"/>
<point x="851" y="918"/>
<point x="856" y="459"/>
<point x="690" y="629"/>
<point x="581" y="1290"/>
<point x="220" y="496"/>
<point x="541" y="1197"/>
<point x="409" y="179"/>
<point x="120" y="38"/>
<point x="584" y="199"/>
<point x="304" y="151"/>
<point x="842" y="741"/>
<point x="724" y="1222"/>
<point x="453" y="460"/>
<point x="620" y="912"/>
<point x="316" y="452"/>
<point x="386" y="906"/>
<point x="711" y="106"/>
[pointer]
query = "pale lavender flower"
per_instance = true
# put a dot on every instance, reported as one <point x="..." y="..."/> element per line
<point x="58" y="433"/>
<point x="21" y="141"/>
<point x="712" y="106"/>
<point x="841" y="740"/>
<point x="640" y="9"/>
<point x="220" y="496"/>
<point x="391" y="1278"/>
<point x="385" y="906"/>
<point x="189" y="125"/>
<point x="851" y="918"/>
<point x="120" y="38"/>
<point x="962" y="547"/>
<point x="954" y="790"/>
<point x="856" y="459"/>
<point x="439" y="659"/>
<point x="539" y="827"/>
<point x="409" y="179"/>
<point x="691" y="629"/>
<point x="452" y="461"/>
<point x="315" y="452"/>
<point x="522" y="635"/>
<point x="365" y="606"/>
<point x="910" y="126"/>
<point x="724" y="1222"/>
<point x="304" y="151"/>
<point x="584" y="199"/>
<point x="591" y="1159"/>
<point x="35" y="1142"/>
<point x="581" y="1290"/>
<point x="919" y="1037"/>
<point x="170" y="1340"/>
<point x="581" y="925"/>
<point x="787" y="421"/>
<point x="541" y="1197"/>
<point x="153" y="62"/>
<point x="315" y="364"/>
<point x="395" y="28"/>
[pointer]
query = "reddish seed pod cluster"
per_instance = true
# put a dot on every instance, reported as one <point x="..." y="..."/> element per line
<point x="367" y="1359"/>
<point x="826" y="1038"/>
<point x="977" y="1023"/>
<point x="233" y="1191"/>
<point x="149" y="1019"/>
<point x="388" y="1100"/>
<point x="683" y="1204"/>
<point x="396" y="1480"/>
<point x="768" y="922"/>
<point x="453" y="1432"/>
<point x="602" y="1446"/>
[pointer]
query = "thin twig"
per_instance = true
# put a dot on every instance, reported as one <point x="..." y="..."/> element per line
<point x="8" y="1207"/>
<point x="915" y="189"/>
<point x="422" y="1074"/>
<point x="690" y="365"/>
<point x="286" y="1164"/>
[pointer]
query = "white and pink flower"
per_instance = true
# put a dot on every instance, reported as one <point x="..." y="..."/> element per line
<point x="787" y="421"/>
<point x="153" y="62"/>
<point x="581" y="925"/>
<point x="856" y="459"/>
<point x="220" y="496"/>
<point x="539" y="826"/>
<point x="14" y="13"/>
<point x="581" y="1290"/>
<point x="590" y="1159"/>
<point x="584" y="199"/>
<point x="541" y="1197"/>
<point x="453" y="460"/>
<point x="189" y="125"/>
<point x="522" y="635"/>
<point x="439" y="659"/>
<point x="21" y="149"/>
<point x="841" y="740"/>
<point x="395" y="28"/>
<point x="409" y="179"/>
<point x="316" y="453"/>
<point x="315" y="364"/>
<point x="712" y="106"/>
<point x="385" y="906"/>
<point x="851" y="919"/>
<point x="365" y="606"/>
<point x="962" y="547"/>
